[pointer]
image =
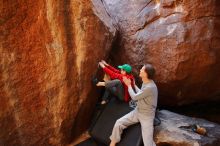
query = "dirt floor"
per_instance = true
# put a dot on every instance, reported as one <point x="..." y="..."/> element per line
<point x="81" y="138"/>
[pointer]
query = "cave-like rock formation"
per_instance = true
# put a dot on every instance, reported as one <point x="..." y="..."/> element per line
<point x="49" y="51"/>
<point x="181" y="38"/>
<point x="48" y="54"/>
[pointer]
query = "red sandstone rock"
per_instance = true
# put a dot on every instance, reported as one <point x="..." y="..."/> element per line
<point x="180" y="38"/>
<point x="48" y="54"/>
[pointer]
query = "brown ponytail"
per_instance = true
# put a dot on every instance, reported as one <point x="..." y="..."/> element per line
<point x="149" y="69"/>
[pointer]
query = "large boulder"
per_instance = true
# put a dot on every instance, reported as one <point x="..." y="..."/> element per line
<point x="176" y="130"/>
<point x="180" y="38"/>
<point x="48" y="54"/>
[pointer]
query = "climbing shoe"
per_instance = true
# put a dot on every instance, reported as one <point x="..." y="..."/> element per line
<point x="94" y="81"/>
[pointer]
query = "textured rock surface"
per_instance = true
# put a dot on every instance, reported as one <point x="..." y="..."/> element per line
<point x="174" y="131"/>
<point x="48" y="52"/>
<point x="180" y="37"/>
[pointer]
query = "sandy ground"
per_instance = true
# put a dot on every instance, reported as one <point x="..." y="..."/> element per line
<point x="81" y="138"/>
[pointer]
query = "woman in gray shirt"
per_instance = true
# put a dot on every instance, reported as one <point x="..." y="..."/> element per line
<point x="146" y="99"/>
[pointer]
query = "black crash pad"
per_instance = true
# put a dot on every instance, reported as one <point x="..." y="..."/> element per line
<point x="103" y="126"/>
<point x="88" y="142"/>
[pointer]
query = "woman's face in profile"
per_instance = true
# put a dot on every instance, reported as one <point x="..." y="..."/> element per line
<point x="142" y="71"/>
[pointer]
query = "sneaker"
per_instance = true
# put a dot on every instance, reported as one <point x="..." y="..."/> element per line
<point x="94" y="81"/>
<point x="104" y="102"/>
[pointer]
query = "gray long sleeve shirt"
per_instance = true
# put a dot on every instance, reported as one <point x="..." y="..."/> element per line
<point x="146" y="97"/>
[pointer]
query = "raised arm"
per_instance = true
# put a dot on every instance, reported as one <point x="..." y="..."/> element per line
<point x="113" y="69"/>
<point x="140" y="94"/>
<point x="112" y="74"/>
<point x="136" y="88"/>
<point x="110" y="67"/>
